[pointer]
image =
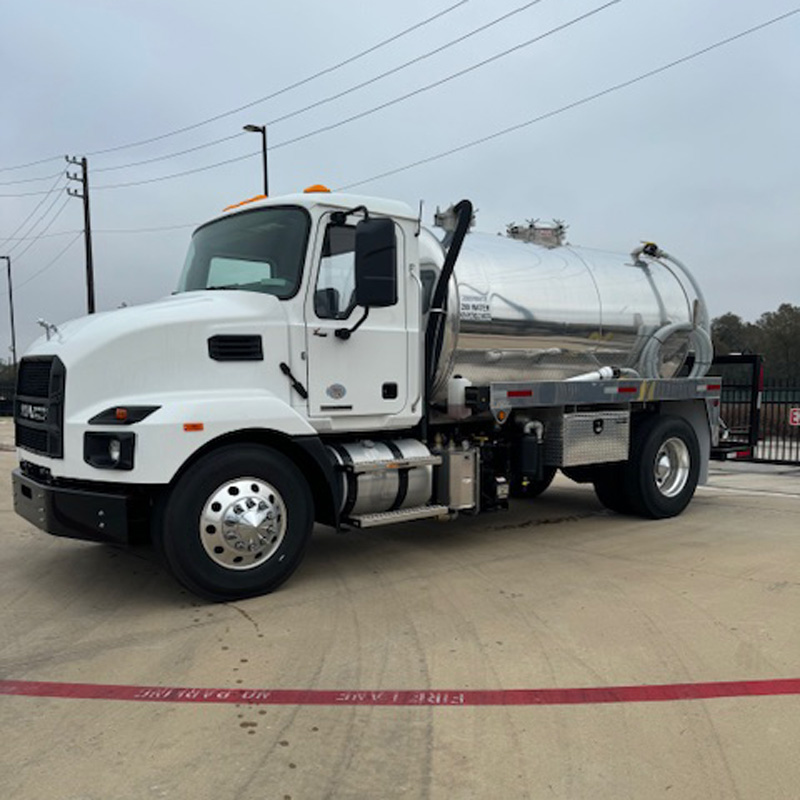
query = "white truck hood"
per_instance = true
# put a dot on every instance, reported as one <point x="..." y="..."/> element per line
<point x="161" y="348"/>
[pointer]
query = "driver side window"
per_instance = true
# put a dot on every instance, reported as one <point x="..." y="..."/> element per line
<point x="334" y="295"/>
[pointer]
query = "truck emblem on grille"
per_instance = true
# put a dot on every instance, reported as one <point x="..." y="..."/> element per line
<point x="32" y="412"/>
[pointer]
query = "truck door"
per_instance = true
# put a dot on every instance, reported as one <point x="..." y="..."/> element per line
<point x="366" y="374"/>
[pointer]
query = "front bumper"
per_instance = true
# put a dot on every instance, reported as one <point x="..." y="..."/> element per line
<point x="77" y="513"/>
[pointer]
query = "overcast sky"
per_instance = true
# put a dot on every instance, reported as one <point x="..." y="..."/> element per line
<point x="702" y="158"/>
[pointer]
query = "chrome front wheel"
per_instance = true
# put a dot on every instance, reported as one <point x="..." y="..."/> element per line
<point x="243" y="523"/>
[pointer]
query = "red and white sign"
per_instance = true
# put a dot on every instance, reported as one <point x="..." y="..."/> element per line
<point x="794" y="417"/>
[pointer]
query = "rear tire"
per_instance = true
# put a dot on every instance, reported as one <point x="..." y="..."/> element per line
<point x="611" y="489"/>
<point x="664" y="467"/>
<point x="236" y="523"/>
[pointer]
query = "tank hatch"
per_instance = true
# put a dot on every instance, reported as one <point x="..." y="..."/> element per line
<point x="547" y="234"/>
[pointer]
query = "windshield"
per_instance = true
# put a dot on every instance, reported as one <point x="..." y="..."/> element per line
<point x="262" y="250"/>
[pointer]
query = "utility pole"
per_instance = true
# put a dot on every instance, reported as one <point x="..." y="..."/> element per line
<point x="11" y="313"/>
<point x="83" y="178"/>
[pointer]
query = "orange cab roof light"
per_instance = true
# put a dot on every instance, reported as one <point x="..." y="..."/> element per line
<point x="317" y="187"/>
<point x="245" y="202"/>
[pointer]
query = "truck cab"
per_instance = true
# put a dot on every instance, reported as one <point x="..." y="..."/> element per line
<point x="302" y="250"/>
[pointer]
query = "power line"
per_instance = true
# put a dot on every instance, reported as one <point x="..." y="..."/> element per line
<point x="38" y="221"/>
<point x="28" y="194"/>
<point x="374" y="109"/>
<point x="44" y="236"/>
<point x="179" y="174"/>
<point x="338" y="95"/>
<point x="277" y="93"/>
<point x="31" y="163"/>
<point x="50" y="264"/>
<point x="583" y="101"/>
<point x="105" y="231"/>
<point x="451" y="77"/>
<point x="46" y="228"/>
<point x="407" y="64"/>
<point x="171" y="155"/>
<point x="290" y="87"/>
<point x="32" y="180"/>
<point x="36" y="208"/>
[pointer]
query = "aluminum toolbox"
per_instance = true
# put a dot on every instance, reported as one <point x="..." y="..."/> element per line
<point x="594" y="437"/>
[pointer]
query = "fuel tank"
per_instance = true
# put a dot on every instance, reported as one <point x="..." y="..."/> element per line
<point x="517" y="310"/>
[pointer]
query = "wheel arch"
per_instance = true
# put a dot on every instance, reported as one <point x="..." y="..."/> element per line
<point x="307" y="452"/>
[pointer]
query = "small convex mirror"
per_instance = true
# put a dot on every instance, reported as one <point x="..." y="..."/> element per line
<point x="376" y="263"/>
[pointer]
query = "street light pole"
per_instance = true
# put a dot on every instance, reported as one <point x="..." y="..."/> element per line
<point x="262" y="129"/>
<point x="11" y="312"/>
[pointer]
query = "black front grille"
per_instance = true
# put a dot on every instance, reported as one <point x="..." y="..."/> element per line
<point x="39" y="406"/>
<point x="232" y="347"/>
<point x="32" y="439"/>
<point x="34" y="377"/>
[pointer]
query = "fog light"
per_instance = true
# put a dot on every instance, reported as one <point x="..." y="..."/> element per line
<point x="114" y="450"/>
<point x="109" y="450"/>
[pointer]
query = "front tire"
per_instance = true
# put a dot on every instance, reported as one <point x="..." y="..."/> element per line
<point x="237" y="523"/>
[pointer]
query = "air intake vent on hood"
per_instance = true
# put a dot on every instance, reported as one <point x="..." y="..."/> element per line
<point x="235" y="348"/>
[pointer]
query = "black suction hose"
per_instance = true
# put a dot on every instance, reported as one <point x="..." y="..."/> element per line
<point x="434" y="335"/>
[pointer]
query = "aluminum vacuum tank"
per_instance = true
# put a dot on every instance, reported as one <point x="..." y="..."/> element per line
<point x="521" y="311"/>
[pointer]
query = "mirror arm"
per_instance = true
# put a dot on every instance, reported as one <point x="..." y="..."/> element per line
<point x="346" y="333"/>
<point x="340" y="217"/>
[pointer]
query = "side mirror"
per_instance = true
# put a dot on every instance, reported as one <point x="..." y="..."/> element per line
<point x="376" y="263"/>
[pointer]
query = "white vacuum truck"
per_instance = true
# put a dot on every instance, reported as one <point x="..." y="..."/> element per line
<point x="327" y="359"/>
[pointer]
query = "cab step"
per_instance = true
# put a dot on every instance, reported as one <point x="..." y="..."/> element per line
<point x="401" y="515"/>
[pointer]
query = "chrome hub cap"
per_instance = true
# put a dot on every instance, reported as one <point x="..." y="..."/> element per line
<point x="243" y="523"/>
<point x="672" y="465"/>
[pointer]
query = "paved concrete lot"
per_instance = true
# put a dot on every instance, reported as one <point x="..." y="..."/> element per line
<point x="555" y="593"/>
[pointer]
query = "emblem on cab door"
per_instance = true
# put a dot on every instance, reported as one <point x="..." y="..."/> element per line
<point x="336" y="391"/>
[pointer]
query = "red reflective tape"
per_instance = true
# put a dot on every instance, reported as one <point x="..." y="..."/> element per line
<point x="520" y="393"/>
<point x="627" y="389"/>
<point x="432" y="697"/>
<point x="714" y="387"/>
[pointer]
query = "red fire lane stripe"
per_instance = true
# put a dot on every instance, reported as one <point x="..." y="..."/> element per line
<point x="448" y="697"/>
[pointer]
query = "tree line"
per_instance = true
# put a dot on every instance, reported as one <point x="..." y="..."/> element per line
<point x="775" y="335"/>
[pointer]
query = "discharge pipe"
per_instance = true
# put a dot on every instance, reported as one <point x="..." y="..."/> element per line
<point x="698" y="329"/>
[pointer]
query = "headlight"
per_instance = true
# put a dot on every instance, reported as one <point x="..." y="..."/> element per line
<point x="109" y="450"/>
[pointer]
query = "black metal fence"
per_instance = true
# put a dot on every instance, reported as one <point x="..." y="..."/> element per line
<point x="760" y="415"/>
<point x="779" y="422"/>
